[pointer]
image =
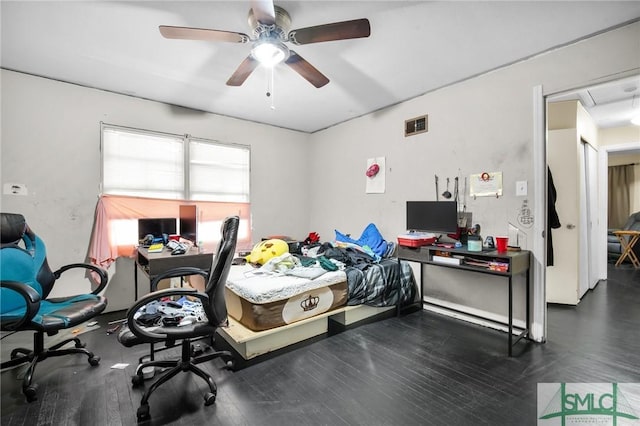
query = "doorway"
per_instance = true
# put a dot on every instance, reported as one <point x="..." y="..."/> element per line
<point x="610" y="106"/>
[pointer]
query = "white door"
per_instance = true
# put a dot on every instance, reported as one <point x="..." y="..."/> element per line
<point x="588" y="219"/>
<point x="563" y="158"/>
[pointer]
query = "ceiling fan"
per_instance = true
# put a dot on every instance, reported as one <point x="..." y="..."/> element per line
<point x="269" y="31"/>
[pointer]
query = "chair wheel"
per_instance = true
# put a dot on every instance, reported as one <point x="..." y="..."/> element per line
<point x="137" y="380"/>
<point x="209" y="398"/>
<point x="31" y="392"/>
<point x="143" y="413"/>
<point x="94" y="360"/>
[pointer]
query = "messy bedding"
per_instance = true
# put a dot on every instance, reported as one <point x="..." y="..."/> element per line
<point x="322" y="277"/>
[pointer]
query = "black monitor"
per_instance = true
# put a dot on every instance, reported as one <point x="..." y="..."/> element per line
<point x="156" y="227"/>
<point x="189" y="223"/>
<point x="438" y="217"/>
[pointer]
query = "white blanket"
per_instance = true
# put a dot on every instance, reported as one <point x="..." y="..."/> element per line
<point x="257" y="286"/>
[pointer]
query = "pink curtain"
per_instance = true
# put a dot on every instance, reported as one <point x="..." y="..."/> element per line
<point x="110" y="241"/>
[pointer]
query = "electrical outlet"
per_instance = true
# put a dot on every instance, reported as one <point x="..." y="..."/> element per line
<point x="521" y="188"/>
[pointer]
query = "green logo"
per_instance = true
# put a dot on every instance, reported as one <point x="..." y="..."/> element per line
<point x="585" y="403"/>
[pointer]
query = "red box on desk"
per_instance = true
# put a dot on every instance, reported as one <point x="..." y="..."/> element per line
<point x="416" y="239"/>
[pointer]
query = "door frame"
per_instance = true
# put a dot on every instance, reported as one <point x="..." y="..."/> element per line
<point x="539" y="261"/>
<point x="603" y="194"/>
<point x="539" y="150"/>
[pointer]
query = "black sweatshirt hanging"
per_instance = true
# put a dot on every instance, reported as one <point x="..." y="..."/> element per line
<point x="553" y="221"/>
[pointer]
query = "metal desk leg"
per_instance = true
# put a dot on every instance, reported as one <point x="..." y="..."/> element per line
<point x="510" y="315"/>
<point x="528" y="308"/>
<point x="135" y="281"/>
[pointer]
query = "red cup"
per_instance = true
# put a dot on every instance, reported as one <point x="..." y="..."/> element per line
<point x="501" y="244"/>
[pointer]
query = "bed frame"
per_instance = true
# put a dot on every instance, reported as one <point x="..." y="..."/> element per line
<point x="252" y="346"/>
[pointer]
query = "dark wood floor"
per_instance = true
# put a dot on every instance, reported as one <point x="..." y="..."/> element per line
<point x="418" y="369"/>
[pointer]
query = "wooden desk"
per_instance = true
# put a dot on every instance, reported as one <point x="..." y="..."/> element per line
<point x="517" y="262"/>
<point x="153" y="264"/>
<point x="627" y="246"/>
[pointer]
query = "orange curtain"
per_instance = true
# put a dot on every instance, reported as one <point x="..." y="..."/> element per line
<point x="115" y="226"/>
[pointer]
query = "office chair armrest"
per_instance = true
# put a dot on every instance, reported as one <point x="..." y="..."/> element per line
<point x="32" y="301"/>
<point x="177" y="272"/>
<point x="147" y="298"/>
<point x="104" y="277"/>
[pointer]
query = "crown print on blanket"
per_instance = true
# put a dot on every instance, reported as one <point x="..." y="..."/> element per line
<point x="309" y="303"/>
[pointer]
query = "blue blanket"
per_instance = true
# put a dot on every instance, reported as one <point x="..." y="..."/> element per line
<point x="370" y="238"/>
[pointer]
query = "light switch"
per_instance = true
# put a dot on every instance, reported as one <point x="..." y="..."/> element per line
<point x="521" y="188"/>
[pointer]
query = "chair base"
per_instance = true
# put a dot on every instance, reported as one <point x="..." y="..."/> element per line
<point x="186" y="363"/>
<point x="40" y="353"/>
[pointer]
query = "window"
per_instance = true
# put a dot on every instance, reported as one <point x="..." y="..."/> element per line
<point x="150" y="174"/>
<point x="159" y="165"/>
<point x="218" y="172"/>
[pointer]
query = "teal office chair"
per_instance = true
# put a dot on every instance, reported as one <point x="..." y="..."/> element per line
<point x="25" y="283"/>
<point x="183" y="314"/>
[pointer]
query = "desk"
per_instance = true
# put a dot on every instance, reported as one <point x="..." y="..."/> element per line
<point x="517" y="262"/>
<point x="627" y="246"/>
<point x="153" y="264"/>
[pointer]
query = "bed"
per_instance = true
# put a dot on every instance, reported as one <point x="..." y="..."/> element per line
<point x="262" y="301"/>
<point x="389" y="282"/>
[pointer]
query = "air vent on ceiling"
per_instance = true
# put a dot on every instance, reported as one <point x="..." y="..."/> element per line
<point x="416" y="125"/>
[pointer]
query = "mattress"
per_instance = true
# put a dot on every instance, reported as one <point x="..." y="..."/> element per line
<point x="262" y="301"/>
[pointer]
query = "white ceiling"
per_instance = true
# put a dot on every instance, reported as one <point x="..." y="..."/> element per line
<point x="414" y="48"/>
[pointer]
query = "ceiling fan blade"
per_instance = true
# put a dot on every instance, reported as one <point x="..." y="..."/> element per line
<point x="357" y="28"/>
<point x="243" y="71"/>
<point x="306" y="70"/>
<point x="186" y="33"/>
<point x="264" y="11"/>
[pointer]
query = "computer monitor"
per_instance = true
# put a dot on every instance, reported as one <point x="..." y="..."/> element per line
<point x="156" y="227"/>
<point x="189" y="223"/>
<point x="438" y="217"/>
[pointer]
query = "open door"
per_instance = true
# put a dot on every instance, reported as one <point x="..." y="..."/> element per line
<point x="573" y="163"/>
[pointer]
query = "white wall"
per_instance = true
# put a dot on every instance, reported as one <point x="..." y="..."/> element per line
<point x="483" y="124"/>
<point x="51" y="140"/>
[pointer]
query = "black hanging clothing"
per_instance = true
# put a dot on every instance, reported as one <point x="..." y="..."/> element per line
<point x="553" y="221"/>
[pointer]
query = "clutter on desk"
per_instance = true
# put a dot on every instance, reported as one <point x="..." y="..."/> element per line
<point x="156" y="248"/>
<point x="489" y="242"/>
<point x="416" y="239"/>
<point x="474" y="243"/>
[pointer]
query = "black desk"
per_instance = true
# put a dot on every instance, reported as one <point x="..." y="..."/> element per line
<point x="517" y="262"/>
<point x="153" y="264"/>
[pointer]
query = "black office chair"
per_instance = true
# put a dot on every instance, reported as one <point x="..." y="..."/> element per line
<point x="160" y="317"/>
<point x="25" y="283"/>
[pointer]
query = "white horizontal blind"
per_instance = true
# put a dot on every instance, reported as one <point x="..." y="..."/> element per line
<point x="218" y="172"/>
<point x="154" y="165"/>
<point x="142" y="164"/>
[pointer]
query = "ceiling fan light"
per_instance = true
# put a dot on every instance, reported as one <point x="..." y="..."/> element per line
<point x="269" y="52"/>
